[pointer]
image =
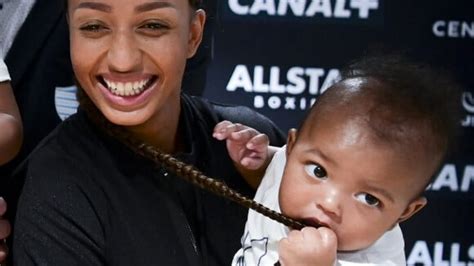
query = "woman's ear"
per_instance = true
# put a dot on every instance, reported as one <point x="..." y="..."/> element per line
<point x="290" y="142"/>
<point x="196" y="31"/>
<point x="412" y="208"/>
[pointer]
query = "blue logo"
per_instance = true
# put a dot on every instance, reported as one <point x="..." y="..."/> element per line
<point x="65" y="101"/>
<point x="468" y="102"/>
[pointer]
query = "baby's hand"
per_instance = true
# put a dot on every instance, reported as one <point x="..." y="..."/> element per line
<point x="247" y="147"/>
<point x="310" y="246"/>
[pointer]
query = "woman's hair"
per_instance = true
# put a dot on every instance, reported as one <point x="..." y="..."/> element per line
<point x="183" y="170"/>
<point x="196" y="4"/>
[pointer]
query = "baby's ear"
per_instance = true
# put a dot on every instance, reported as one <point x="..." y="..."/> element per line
<point x="412" y="208"/>
<point x="290" y="141"/>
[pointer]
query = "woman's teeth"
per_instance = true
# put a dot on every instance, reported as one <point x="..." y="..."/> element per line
<point x="126" y="88"/>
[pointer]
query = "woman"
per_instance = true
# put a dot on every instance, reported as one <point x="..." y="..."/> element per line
<point x="88" y="198"/>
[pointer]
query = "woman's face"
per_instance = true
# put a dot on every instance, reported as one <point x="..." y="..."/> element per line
<point x="129" y="55"/>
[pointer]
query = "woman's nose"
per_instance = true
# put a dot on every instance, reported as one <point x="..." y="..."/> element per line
<point x="124" y="54"/>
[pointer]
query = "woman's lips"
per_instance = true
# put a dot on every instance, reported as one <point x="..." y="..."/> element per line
<point x="128" y="88"/>
<point x="128" y="93"/>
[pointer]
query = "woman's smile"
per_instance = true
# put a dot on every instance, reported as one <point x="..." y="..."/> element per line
<point x="128" y="94"/>
<point x="127" y="88"/>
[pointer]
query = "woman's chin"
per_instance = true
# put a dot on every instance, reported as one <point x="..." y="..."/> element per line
<point x="127" y="119"/>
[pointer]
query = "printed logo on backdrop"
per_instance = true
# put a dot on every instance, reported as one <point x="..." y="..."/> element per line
<point x="453" y="29"/>
<point x="468" y="105"/>
<point x="441" y="254"/>
<point x="454" y="178"/>
<point x="276" y="88"/>
<point x="65" y="101"/>
<point x="317" y="11"/>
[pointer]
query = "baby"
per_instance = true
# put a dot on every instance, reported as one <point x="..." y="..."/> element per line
<point x="358" y="166"/>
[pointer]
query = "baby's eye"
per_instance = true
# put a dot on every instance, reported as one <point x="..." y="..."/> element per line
<point x="368" y="199"/>
<point x="316" y="170"/>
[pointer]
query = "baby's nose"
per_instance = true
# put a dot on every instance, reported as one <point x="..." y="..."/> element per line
<point x="331" y="204"/>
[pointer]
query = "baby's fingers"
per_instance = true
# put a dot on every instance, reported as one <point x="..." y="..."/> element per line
<point x="328" y="237"/>
<point x="244" y="134"/>
<point x="220" y="129"/>
<point x="225" y="128"/>
<point x="259" y="143"/>
<point x="252" y="163"/>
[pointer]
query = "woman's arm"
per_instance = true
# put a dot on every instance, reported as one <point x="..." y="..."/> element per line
<point x="11" y="134"/>
<point x="57" y="221"/>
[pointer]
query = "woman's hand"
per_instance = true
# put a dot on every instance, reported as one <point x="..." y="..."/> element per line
<point x="310" y="246"/>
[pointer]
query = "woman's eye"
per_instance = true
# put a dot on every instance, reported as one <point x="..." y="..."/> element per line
<point x="92" y="27"/>
<point x="316" y="170"/>
<point x="153" y="26"/>
<point x="154" y="29"/>
<point x="368" y="199"/>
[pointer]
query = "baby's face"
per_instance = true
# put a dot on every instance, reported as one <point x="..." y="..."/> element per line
<point x="338" y="176"/>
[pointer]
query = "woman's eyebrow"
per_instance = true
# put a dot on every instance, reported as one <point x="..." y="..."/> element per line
<point x="96" y="6"/>
<point x="152" y="5"/>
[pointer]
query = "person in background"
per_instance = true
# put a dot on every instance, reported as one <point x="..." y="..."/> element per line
<point x="11" y="135"/>
<point x="358" y="166"/>
<point x="10" y="141"/>
<point x="10" y="119"/>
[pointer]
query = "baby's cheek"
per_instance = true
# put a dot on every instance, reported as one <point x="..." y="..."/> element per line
<point x="358" y="231"/>
<point x="355" y="241"/>
<point x="288" y="200"/>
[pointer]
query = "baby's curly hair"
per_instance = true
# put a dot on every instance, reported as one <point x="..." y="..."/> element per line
<point x="407" y="103"/>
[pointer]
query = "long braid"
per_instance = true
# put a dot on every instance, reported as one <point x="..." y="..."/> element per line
<point x="183" y="170"/>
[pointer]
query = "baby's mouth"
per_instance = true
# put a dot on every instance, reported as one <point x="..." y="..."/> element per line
<point x="313" y="222"/>
<point x="130" y="88"/>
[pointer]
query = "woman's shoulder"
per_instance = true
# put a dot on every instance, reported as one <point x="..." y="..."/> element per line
<point x="224" y="110"/>
<point x="213" y="112"/>
<point x="69" y="145"/>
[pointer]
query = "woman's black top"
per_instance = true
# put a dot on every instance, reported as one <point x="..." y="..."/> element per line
<point x="89" y="200"/>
